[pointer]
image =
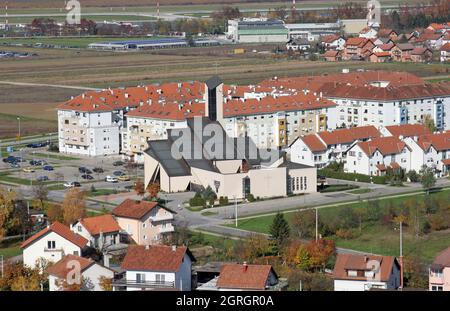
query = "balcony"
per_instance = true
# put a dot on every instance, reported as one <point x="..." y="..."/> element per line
<point x="166" y="229"/>
<point x="161" y="218"/>
<point x="121" y="283"/>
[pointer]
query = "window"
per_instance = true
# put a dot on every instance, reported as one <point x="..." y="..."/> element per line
<point x="160" y="278"/>
<point x="140" y="278"/>
<point x="79" y="228"/>
<point x="51" y="244"/>
<point x="76" y="253"/>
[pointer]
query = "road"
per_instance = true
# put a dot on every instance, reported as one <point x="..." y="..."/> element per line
<point x="74" y="87"/>
<point x="28" y="140"/>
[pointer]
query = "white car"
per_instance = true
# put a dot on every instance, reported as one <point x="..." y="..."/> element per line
<point x="111" y="179"/>
<point x="72" y="184"/>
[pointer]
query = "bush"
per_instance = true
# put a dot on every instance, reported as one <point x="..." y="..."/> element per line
<point x="197" y="200"/>
<point x="53" y="148"/>
<point x="211" y="202"/>
<point x="223" y="200"/>
<point x="351" y="176"/>
<point x="344" y="234"/>
<point x="413" y="176"/>
<point x="251" y="197"/>
<point x="93" y="189"/>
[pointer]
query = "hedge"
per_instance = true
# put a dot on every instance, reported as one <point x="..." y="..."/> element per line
<point x="351" y="176"/>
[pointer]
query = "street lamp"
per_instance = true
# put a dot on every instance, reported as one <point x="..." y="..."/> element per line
<point x="18" y="119"/>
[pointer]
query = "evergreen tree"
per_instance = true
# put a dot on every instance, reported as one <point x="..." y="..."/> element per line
<point x="279" y="230"/>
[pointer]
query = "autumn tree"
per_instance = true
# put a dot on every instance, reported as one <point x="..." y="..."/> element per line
<point x="429" y="123"/>
<point x="106" y="283"/>
<point x="17" y="277"/>
<point x="55" y="213"/>
<point x="73" y="206"/>
<point x="279" y="230"/>
<point x="304" y="224"/>
<point x="7" y="205"/>
<point x="415" y="272"/>
<point x="427" y="179"/>
<point x="139" y="187"/>
<point x="321" y="252"/>
<point x="153" y="189"/>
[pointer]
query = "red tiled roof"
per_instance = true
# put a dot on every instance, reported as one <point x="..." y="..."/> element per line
<point x="249" y="277"/>
<point x="408" y="130"/>
<point x="446" y="161"/>
<point x="419" y="51"/>
<point x="381" y="167"/>
<point x="345" y="262"/>
<point x="346" y="136"/>
<point x="437" y="26"/>
<point x="443" y="259"/>
<point x="385" y="32"/>
<point x="387" y="46"/>
<point x="446" y="47"/>
<point x="330" y="38"/>
<point x="395" y="165"/>
<point x="62" y="268"/>
<point x="389" y="93"/>
<point x="440" y="141"/>
<point x="331" y="53"/>
<point x="61" y="230"/>
<point x="155" y="258"/>
<point x="314" y="143"/>
<point x="356" y="41"/>
<point x="382" y="54"/>
<point x="385" y="145"/>
<point x="133" y="208"/>
<point x="100" y="224"/>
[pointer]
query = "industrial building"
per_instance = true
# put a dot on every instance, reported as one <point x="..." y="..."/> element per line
<point x="257" y="30"/>
<point x="163" y="43"/>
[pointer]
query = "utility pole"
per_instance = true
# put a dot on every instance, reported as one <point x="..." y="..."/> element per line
<point x="317" y="224"/>
<point x="18" y="119"/>
<point x="2" y="262"/>
<point x="235" y="211"/>
<point x="401" y="254"/>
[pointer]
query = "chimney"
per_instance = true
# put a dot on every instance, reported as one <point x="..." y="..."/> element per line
<point x="245" y="266"/>
<point x="174" y="248"/>
<point x="83" y="95"/>
<point x="147" y="247"/>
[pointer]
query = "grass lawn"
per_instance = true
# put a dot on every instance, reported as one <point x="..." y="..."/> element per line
<point x="56" y="187"/>
<point x="208" y="213"/>
<point x="10" y="250"/>
<point x="99" y="192"/>
<point x="375" y="237"/>
<point x="203" y="239"/>
<point x="334" y="188"/>
<point x="55" y="156"/>
<point x="5" y="177"/>
<point x="194" y="208"/>
<point x="360" y="191"/>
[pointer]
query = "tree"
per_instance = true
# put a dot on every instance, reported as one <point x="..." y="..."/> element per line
<point x="73" y="206"/>
<point x="303" y="258"/>
<point x="17" y="277"/>
<point x="413" y="176"/>
<point x="429" y="123"/>
<point x="279" y="230"/>
<point x="40" y="193"/>
<point x="139" y="187"/>
<point x="304" y="224"/>
<point x="106" y="283"/>
<point x="321" y="252"/>
<point x="7" y="205"/>
<point x="55" y="213"/>
<point x="427" y="179"/>
<point x="153" y="189"/>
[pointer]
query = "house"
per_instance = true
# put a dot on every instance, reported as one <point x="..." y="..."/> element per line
<point x="355" y="48"/>
<point x="61" y="273"/>
<point x="355" y="272"/>
<point x="333" y="42"/>
<point x="325" y="147"/>
<point x="332" y="56"/>
<point x="302" y="45"/>
<point x="439" y="273"/>
<point x="380" y="57"/>
<point x="387" y="33"/>
<point x="102" y="232"/>
<point x="402" y="52"/>
<point x="421" y="55"/>
<point x="374" y="157"/>
<point x="155" y="267"/>
<point x="145" y="222"/>
<point x="368" y="33"/>
<point x="445" y="53"/>
<point x="244" y="277"/>
<point x="52" y="244"/>
<point x="434" y="151"/>
<point x="432" y="40"/>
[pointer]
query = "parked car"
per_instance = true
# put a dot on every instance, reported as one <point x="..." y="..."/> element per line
<point x="42" y="178"/>
<point x="82" y="169"/>
<point x="124" y="178"/>
<point x="88" y="172"/>
<point x="10" y="159"/>
<point x="36" y="162"/>
<point x="118" y="163"/>
<point x="28" y="169"/>
<point x="48" y="168"/>
<point x="37" y="145"/>
<point x="15" y="165"/>
<point x="87" y="177"/>
<point x="111" y="179"/>
<point x="72" y="184"/>
<point x="98" y="170"/>
<point x="118" y="173"/>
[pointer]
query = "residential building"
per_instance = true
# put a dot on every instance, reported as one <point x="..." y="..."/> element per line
<point x="102" y="232"/>
<point x="156" y="267"/>
<point x="312" y="31"/>
<point x="322" y="148"/>
<point x="60" y="274"/>
<point x="52" y="244"/>
<point x="301" y="45"/>
<point x="332" y="56"/>
<point x="234" y="169"/>
<point x="376" y="156"/>
<point x="439" y="273"/>
<point x="244" y="277"/>
<point x="368" y="33"/>
<point x="145" y="222"/>
<point x="357" y="48"/>
<point x="257" y="30"/>
<point x="405" y="130"/>
<point x="445" y="53"/>
<point x="380" y="57"/>
<point x="333" y="42"/>
<point x="421" y="55"/>
<point x="387" y="33"/>
<point x="402" y="52"/>
<point x="354" y="272"/>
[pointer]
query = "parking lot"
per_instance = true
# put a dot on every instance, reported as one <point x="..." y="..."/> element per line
<point x="55" y="170"/>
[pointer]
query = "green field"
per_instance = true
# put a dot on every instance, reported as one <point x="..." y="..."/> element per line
<point x="375" y="237"/>
<point x="55" y="156"/>
<point x="360" y="191"/>
<point x="5" y="177"/>
<point x="10" y="251"/>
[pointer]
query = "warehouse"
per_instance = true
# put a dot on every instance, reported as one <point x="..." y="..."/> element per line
<point x="163" y="43"/>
